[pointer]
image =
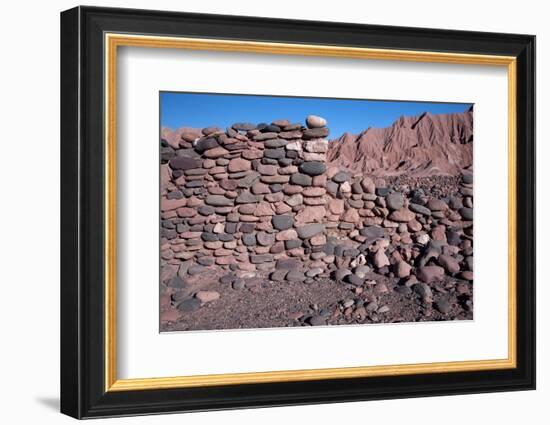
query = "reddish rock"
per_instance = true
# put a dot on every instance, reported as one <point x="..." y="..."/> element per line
<point x="259" y="188"/>
<point x="228" y="184"/>
<point x="311" y="214"/>
<point x="216" y="152"/>
<point x="187" y="212"/>
<point x="238" y="164"/>
<point x="287" y="235"/>
<point x="438" y="233"/>
<point x="336" y="206"/>
<point x="435" y="204"/>
<point x="402" y="215"/>
<point x="290" y="189"/>
<point x="263" y="209"/>
<point x="429" y="274"/>
<point x="252" y="154"/>
<point x="169" y="315"/>
<point x="267" y="170"/>
<point x="320" y="181"/>
<point x="207" y="296"/>
<point x="318" y="240"/>
<point x="314" y="191"/>
<point x="172" y="204"/>
<point x="449" y="263"/>
<point x="351" y="215"/>
<point x="402" y="269"/>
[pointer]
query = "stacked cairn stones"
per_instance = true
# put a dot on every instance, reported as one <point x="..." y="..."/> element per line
<point x="260" y="199"/>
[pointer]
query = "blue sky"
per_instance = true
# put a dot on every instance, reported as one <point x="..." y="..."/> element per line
<point x="203" y="110"/>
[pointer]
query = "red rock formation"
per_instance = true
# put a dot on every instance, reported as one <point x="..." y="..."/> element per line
<point x="421" y="146"/>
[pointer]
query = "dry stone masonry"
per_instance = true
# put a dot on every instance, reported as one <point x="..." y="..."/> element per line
<point x="256" y="203"/>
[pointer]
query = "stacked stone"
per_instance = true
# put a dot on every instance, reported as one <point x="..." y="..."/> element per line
<point x="246" y="198"/>
<point x="259" y="198"/>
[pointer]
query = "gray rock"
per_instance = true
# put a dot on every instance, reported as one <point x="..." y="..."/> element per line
<point x="278" y="275"/>
<point x="282" y="222"/>
<point x="317" y="320"/>
<point x="301" y="179"/>
<point x="277" y="153"/>
<point x="295" y="276"/>
<point x="209" y="237"/>
<point x="249" y="239"/>
<point x="417" y="208"/>
<point x="423" y="290"/>
<point x="238" y="284"/>
<point x="443" y="305"/>
<point x="261" y="258"/>
<point x="230" y="227"/>
<point x="225" y="237"/>
<point x="309" y="230"/>
<point x="341" y="274"/>
<point x="228" y="279"/>
<point x="466" y="213"/>
<point x="395" y="201"/>
<point x="206" y="210"/>
<point x="247" y="198"/>
<point x="288" y="263"/>
<point x="248" y="180"/>
<point x="176" y="282"/>
<point x="176" y="194"/>
<point x="315" y="133"/>
<point x="467" y="178"/>
<point x="205" y="144"/>
<point x="247" y="227"/>
<point x="271" y="128"/>
<point x="294" y="243"/>
<point x="184" y="163"/>
<point x="218" y="201"/>
<point x="341" y="177"/>
<point x="189" y="305"/>
<point x="265" y="239"/>
<point x="313" y="168"/>
<point x="372" y="232"/>
<point x="355" y="279"/>
<point x="275" y="143"/>
<point x="196" y="269"/>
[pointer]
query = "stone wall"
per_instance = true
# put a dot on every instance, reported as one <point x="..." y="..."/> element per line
<point x="261" y="198"/>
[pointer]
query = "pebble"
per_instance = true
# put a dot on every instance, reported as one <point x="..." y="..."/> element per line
<point x="429" y="274"/>
<point x="443" y="305"/>
<point x="395" y="201"/>
<point x="317" y="320"/>
<point x="207" y="296"/>
<point x="189" y="305"/>
<point x="314" y="121"/>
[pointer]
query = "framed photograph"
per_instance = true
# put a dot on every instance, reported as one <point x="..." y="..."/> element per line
<point x="261" y="212"/>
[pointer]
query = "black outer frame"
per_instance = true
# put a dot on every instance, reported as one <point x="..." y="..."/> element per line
<point x="82" y="219"/>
